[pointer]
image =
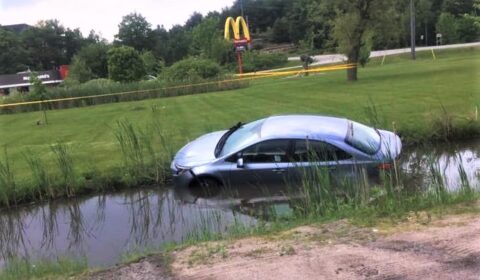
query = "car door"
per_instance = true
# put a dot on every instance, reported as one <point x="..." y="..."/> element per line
<point x="265" y="164"/>
<point x="323" y="158"/>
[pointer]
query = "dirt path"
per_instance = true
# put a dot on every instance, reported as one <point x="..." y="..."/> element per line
<point x="448" y="248"/>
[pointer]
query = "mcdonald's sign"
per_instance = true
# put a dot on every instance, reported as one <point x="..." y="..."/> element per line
<point x="237" y="26"/>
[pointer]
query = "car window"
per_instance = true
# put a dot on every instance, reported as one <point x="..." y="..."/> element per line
<point x="363" y="138"/>
<point x="246" y="134"/>
<point x="265" y="152"/>
<point x="308" y="150"/>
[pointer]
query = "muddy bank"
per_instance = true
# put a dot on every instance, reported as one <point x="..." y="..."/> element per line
<point x="421" y="248"/>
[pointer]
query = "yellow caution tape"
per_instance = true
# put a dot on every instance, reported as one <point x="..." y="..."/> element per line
<point x="241" y="77"/>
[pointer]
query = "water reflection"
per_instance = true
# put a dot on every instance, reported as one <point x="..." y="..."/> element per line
<point x="101" y="228"/>
<point x="449" y="159"/>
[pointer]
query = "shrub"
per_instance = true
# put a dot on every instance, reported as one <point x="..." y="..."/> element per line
<point x="255" y="61"/>
<point x="125" y="64"/>
<point x="192" y="69"/>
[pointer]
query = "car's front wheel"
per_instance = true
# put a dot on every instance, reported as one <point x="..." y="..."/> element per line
<point x="205" y="187"/>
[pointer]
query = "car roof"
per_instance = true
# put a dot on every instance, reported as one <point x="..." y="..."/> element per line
<point x="304" y="126"/>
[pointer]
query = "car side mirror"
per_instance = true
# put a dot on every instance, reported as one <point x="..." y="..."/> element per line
<point x="240" y="163"/>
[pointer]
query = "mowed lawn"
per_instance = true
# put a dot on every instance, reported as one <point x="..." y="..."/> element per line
<point x="406" y="92"/>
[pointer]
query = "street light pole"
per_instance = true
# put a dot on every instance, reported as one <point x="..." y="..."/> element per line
<point x="412" y="28"/>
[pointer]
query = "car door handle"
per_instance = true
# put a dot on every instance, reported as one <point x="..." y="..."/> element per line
<point x="279" y="170"/>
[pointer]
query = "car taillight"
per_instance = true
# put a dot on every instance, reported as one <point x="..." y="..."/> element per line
<point x="385" y="166"/>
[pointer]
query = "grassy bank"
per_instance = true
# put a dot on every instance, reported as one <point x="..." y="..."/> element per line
<point x="81" y="149"/>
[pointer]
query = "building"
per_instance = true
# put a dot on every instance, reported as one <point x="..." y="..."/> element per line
<point x="21" y="81"/>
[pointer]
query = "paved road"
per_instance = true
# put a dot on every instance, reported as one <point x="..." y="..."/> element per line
<point x="335" y="58"/>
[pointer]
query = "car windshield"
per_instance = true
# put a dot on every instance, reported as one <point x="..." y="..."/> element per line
<point x="243" y="136"/>
<point x="364" y="138"/>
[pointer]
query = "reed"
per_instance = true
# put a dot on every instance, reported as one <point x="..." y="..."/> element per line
<point x="64" y="163"/>
<point x="7" y="180"/>
<point x="40" y="175"/>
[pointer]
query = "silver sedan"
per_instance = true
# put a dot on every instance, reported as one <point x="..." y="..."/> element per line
<point x="270" y="150"/>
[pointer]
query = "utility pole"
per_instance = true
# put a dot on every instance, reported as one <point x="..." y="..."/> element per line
<point x="412" y="28"/>
<point x="241" y="8"/>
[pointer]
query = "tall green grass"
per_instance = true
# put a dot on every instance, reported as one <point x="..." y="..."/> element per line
<point x="62" y="268"/>
<point x="146" y="153"/>
<point x="7" y="180"/>
<point x="322" y="197"/>
<point x="40" y="174"/>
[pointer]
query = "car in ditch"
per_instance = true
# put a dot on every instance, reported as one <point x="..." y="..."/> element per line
<point x="278" y="149"/>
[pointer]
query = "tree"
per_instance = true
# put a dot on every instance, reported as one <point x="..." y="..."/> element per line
<point x="468" y="28"/>
<point x="458" y="7"/>
<point x="134" y="31"/>
<point x="354" y="27"/>
<point x="45" y="45"/>
<point x="160" y="49"/>
<point x="151" y="64"/>
<point x="280" y="31"/>
<point x="73" y="42"/>
<point x="194" y="20"/>
<point x="12" y="54"/>
<point x="178" y="45"/>
<point x="447" y="26"/>
<point x="39" y="92"/>
<point x="125" y="64"/>
<point x="79" y="71"/>
<point x="203" y="37"/>
<point x="425" y="17"/>
<point x="95" y="58"/>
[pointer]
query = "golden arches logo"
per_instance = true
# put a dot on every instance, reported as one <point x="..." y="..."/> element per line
<point x="236" y="25"/>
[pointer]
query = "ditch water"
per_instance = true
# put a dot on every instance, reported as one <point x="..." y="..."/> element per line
<point x="102" y="228"/>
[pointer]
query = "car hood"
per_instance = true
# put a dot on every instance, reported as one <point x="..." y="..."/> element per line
<point x="391" y="146"/>
<point x="199" y="151"/>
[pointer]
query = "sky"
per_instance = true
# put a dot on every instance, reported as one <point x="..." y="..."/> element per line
<point x="103" y="16"/>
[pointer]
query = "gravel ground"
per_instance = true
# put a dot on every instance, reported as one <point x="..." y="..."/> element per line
<point x="447" y="248"/>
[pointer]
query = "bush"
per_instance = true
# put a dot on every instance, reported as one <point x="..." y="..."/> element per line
<point x="125" y="64"/>
<point x="192" y="69"/>
<point x="255" y="61"/>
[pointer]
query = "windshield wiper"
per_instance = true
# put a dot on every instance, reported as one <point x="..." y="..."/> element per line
<point x="224" y="138"/>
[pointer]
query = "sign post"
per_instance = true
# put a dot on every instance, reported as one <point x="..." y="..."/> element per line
<point x="240" y="42"/>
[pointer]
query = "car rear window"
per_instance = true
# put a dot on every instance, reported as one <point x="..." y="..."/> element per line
<point x="363" y="138"/>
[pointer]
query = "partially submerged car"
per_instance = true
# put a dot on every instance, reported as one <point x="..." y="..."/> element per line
<point x="274" y="149"/>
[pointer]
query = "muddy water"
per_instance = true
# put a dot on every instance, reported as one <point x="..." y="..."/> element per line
<point x="102" y="228"/>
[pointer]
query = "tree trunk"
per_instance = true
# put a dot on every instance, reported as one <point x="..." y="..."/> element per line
<point x="353" y="59"/>
<point x="352" y="74"/>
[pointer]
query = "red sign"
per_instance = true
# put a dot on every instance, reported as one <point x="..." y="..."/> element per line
<point x="240" y="42"/>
